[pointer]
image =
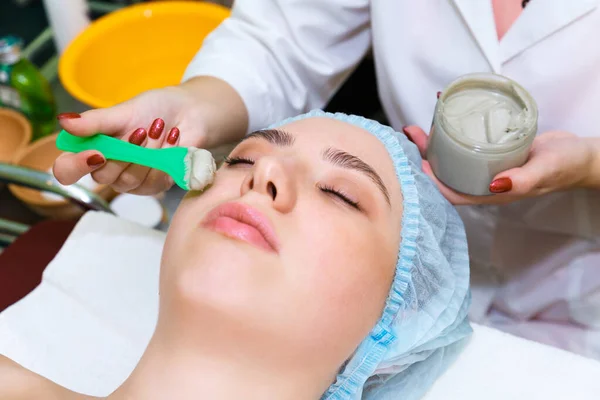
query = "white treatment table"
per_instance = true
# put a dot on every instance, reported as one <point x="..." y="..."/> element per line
<point x="87" y="324"/>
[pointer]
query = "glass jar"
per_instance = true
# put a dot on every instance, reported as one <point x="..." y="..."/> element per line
<point x="483" y="124"/>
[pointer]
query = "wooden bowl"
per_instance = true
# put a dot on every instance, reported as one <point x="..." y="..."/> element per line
<point x="15" y="134"/>
<point x="40" y="155"/>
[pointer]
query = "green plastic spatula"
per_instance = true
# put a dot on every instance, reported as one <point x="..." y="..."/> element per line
<point x="190" y="168"/>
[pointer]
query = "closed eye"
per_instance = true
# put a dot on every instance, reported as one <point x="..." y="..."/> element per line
<point x="231" y="161"/>
<point x="340" y="195"/>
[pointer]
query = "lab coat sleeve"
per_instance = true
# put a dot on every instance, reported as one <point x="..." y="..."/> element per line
<point x="285" y="57"/>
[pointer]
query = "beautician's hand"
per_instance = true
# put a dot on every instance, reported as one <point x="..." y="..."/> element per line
<point x="557" y="161"/>
<point x="203" y="112"/>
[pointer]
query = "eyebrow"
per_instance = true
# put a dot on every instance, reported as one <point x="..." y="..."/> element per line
<point x="346" y="160"/>
<point x="276" y="137"/>
<point x="335" y="156"/>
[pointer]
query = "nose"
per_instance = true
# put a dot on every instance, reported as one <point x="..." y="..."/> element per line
<point x="271" y="177"/>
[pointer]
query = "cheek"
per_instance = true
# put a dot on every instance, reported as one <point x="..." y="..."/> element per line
<point x="189" y="215"/>
<point x="196" y="204"/>
<point x="351" y="276"/>
<point x="343" y="275"/>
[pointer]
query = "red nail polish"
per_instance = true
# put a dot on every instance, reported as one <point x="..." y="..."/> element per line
<point x="68" y="115"/>
<point x="439" y="94"/>
<point x="157" y="128"/>
<point x="138" y="136"/>
<point x="95" y="161"/>
<point x="406" y="133"/>
<point x="501" y="185"/>
<point x="173" y="136"/>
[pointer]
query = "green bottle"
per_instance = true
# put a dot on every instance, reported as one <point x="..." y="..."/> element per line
<point x="24" y="88"/>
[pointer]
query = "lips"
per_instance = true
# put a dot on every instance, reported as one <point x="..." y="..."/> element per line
<point x="242" y="222"/>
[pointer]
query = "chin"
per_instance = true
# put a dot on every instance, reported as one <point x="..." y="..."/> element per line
<point x="213" y="270"/>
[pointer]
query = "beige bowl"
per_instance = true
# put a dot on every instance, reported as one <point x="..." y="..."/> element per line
<point x="15" y="133"/>
<point x="40" y="155"/>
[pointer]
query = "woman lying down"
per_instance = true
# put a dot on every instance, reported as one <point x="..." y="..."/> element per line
<point x="322" y="263"/>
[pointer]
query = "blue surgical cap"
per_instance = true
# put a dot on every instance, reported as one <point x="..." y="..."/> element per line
<point x="424" y="323"/>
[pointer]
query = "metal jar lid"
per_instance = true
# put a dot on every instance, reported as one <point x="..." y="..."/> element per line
<point x="10" y="49"/>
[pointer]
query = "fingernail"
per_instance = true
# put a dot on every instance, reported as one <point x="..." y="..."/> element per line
<point x="406" y="133"/>
<point x="173" y="136"/>
<point x="501" y="185"/>
<point x="439" y="94"/>
<point x="157" y="128"/>
<point x="68" y="115"/>
<point x="95" y="161"/>
<point x="138" y="136"/>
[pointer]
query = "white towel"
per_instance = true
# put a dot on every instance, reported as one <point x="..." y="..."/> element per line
<point x="87" y="324"/>
<point x="499" y="366"/>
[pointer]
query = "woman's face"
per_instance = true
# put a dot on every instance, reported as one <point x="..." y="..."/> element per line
<point x="295" y="244"/>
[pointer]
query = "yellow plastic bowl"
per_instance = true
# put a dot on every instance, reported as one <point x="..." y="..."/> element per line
<point x="138" y="48"/>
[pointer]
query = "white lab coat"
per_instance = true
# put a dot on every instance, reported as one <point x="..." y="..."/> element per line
<point x="540" y="257"/>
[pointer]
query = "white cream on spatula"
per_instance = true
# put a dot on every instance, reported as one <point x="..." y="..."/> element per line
<point x="200" y="168"/>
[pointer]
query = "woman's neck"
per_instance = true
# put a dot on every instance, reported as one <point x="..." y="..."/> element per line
<point x="179" y="369"/>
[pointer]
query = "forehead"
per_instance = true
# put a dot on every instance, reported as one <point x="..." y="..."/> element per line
<point x="317" y="134"/>
<point x="328" y="131"/>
